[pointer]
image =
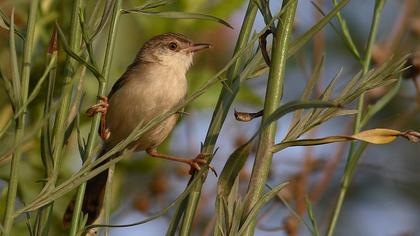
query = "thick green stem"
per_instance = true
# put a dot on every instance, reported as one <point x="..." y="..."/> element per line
<point x="224" y="102"/>
<point x="354" y="154"/>
<point x="262" y="164"/>
<point x="92" y="139"/>
<point x="20" y="126"/>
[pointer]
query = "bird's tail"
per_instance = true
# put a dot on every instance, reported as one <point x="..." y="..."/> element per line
<point x="93" y="198"/>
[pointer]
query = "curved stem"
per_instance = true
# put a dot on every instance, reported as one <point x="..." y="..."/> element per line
<point x="262" y="164"/>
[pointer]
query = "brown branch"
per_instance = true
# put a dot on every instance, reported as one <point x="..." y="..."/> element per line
<point x="263" y="45"/>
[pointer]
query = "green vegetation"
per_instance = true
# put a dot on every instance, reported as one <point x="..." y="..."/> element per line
<point x="62" y="55"/>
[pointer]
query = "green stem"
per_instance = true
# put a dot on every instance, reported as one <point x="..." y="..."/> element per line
<point x="354" y="154"/>
<point x="345" y="183"/>
<point x="92" y="139"/>
<point x="273" y="96"/>
<point x="368" y="56"/>
<point x="108" y="198"/>
<point x="44" y="214"/>
<point x="224" y="102"/>
<point x="60" y="123"/>
<point x="20" y="126"/>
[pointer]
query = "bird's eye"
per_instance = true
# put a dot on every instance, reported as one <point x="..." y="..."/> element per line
<point x="173" y="46"/>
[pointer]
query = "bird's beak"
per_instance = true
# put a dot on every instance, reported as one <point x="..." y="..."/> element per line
<point x="198" y="47"/>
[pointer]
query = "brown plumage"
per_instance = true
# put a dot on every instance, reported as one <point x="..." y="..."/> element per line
<point x="152" y="85"/>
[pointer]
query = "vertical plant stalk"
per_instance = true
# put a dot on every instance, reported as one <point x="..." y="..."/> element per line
<point x="43" y="215"/>
<point x="108" y="198"/>
<point x="20" y="126"/>
<point x="354" y="155"/>
<point x="226" y="97"/>
<point x="92" y="139"/>
<point x="262" y="164"/>
<point x="60" y="123"/>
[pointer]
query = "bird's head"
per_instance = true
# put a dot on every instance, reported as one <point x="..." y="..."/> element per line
<point x="171" y="49"/>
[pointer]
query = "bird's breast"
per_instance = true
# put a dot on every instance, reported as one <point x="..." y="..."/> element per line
<point x="145" y="95"/>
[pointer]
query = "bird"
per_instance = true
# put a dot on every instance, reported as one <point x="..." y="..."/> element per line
<point x="153" y="84"/>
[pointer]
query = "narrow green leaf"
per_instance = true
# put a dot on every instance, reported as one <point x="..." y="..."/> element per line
<point x="301" y="41"/>
<point x="379" y="105"/>
<point x="38" y="86"/>
<point x="232" y="168"/>
<point x="314" y="79"/>
<point x="292" y="211"/>
<point x="236" y="217"/>
<point x="179" y="15"/>
<point x="176" y="217"/>
<point x="8" y="86"/>
<point x="315" y="228"/>
<point x="346" y="33"/>
<point x="326" y="95"/>
<point x="296" y="105"/>
<point x="346" y="37"/>
<point x="104" y="19"/>
<point x="14" y="64"/>
<point x="375" y="136"/>
<point x="307" y="91"/>
<point x="5" y="24"/>
<point x="264" y="7"/>
<point x="309" y="142"/>
<point x="150" y="4"/>
<point x="259" y="204"/>
<point x="226" y="215"/>
<point x="220" y="218"/>
<point x="162" y="212"/>
<point x="308" y="35"/>
<point x="72" y="54"/>
<point x="238" y="158"/>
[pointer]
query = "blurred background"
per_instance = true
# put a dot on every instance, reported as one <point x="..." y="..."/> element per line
<point x="384" y="198"/>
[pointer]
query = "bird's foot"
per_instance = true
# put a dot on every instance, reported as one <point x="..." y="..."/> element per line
<point x="199" y="161"/>
<point x="101" y="107"/>
<point x="195" y="164"/>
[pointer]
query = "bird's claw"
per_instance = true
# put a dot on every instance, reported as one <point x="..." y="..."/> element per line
<point x="198" y="161"/>
<point x="101" y="107"/>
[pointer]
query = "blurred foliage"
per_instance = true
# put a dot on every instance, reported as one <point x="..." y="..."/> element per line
<point x="402" y="112"/>
<point x="134" y="30"/>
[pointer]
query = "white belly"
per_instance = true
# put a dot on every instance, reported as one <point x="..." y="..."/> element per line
<point x="142" y="98"/>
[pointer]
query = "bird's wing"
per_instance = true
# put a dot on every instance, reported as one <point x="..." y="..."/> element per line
<point x="120" y="82"/>
<point x="123" y="79"/>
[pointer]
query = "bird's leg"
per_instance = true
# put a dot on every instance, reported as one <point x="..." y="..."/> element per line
<point x="101" y="107"/>
<point x="194" y="163"/>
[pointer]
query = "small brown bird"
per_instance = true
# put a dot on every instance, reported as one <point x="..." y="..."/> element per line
<point x="152" y="85"/>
